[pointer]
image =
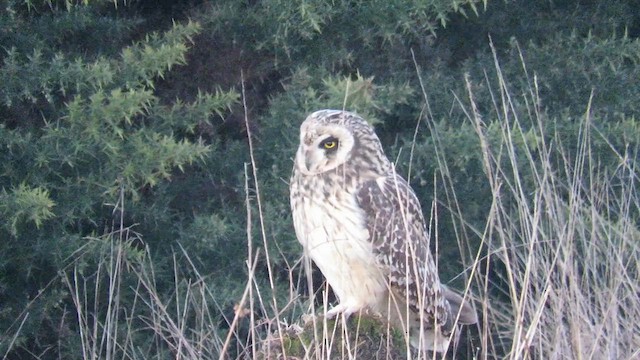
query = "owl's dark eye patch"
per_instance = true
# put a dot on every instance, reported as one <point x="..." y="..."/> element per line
<point x="331" y="143"/>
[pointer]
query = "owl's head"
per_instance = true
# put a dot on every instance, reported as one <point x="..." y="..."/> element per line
<point x="330" y="138"/>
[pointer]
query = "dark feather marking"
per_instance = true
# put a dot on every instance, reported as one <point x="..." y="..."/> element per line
<point x="398" y="232"/>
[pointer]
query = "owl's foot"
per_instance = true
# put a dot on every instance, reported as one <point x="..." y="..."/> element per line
<point x="345" y="309"/>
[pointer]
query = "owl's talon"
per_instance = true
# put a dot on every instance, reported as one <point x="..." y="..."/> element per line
<point x="344" y="309"/>
<point x="334" y="311"/>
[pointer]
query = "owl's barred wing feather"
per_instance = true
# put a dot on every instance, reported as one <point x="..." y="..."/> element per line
<point x="399" y="235"/>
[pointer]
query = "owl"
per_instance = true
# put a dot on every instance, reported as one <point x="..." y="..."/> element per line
<point x="362" y="225"/>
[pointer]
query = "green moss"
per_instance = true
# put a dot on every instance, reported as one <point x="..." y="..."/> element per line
<point x="367" y="337"/>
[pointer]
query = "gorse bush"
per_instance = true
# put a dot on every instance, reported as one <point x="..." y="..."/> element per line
<point x="82" y="131"/>
<point x="337" y="34"/>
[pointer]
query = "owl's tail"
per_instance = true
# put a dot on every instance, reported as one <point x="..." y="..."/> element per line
<point x="437" y="338"/>
<point x="460" y="308"/>
<point x="429" y="336"/>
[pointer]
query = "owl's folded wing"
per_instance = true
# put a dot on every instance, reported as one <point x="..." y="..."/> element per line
<point x="400" y="239"/>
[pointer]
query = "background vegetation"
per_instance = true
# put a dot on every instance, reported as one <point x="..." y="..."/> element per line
<point x="145" y="150"/>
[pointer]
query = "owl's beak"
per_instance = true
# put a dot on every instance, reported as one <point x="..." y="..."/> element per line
<point x="308" y="160"/>
<point x="307" y="164"/>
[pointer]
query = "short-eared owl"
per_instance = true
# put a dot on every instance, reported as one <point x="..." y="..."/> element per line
<point x="363" y="227"/>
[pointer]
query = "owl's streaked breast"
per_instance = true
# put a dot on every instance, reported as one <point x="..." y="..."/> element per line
<point x="330" y="228"/>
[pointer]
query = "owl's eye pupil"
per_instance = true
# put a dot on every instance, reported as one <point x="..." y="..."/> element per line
<point x="329" y="143"/>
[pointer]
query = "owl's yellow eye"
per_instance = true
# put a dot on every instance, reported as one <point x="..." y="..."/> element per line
<point x="329" y="143"/>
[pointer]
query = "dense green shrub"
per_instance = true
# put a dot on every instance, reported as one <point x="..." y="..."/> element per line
<point x="337" y="35"/>
<point x="86" y="147"/>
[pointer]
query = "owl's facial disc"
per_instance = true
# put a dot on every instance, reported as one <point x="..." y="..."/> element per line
<point x="323" y="148"/>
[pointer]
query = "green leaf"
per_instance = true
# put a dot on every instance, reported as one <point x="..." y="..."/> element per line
<point x="25" y="204"/>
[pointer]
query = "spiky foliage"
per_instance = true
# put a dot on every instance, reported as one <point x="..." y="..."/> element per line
<point x="82" y="130"/>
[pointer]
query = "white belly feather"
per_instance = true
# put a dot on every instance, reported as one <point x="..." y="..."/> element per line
<point x="338" y="242"/>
